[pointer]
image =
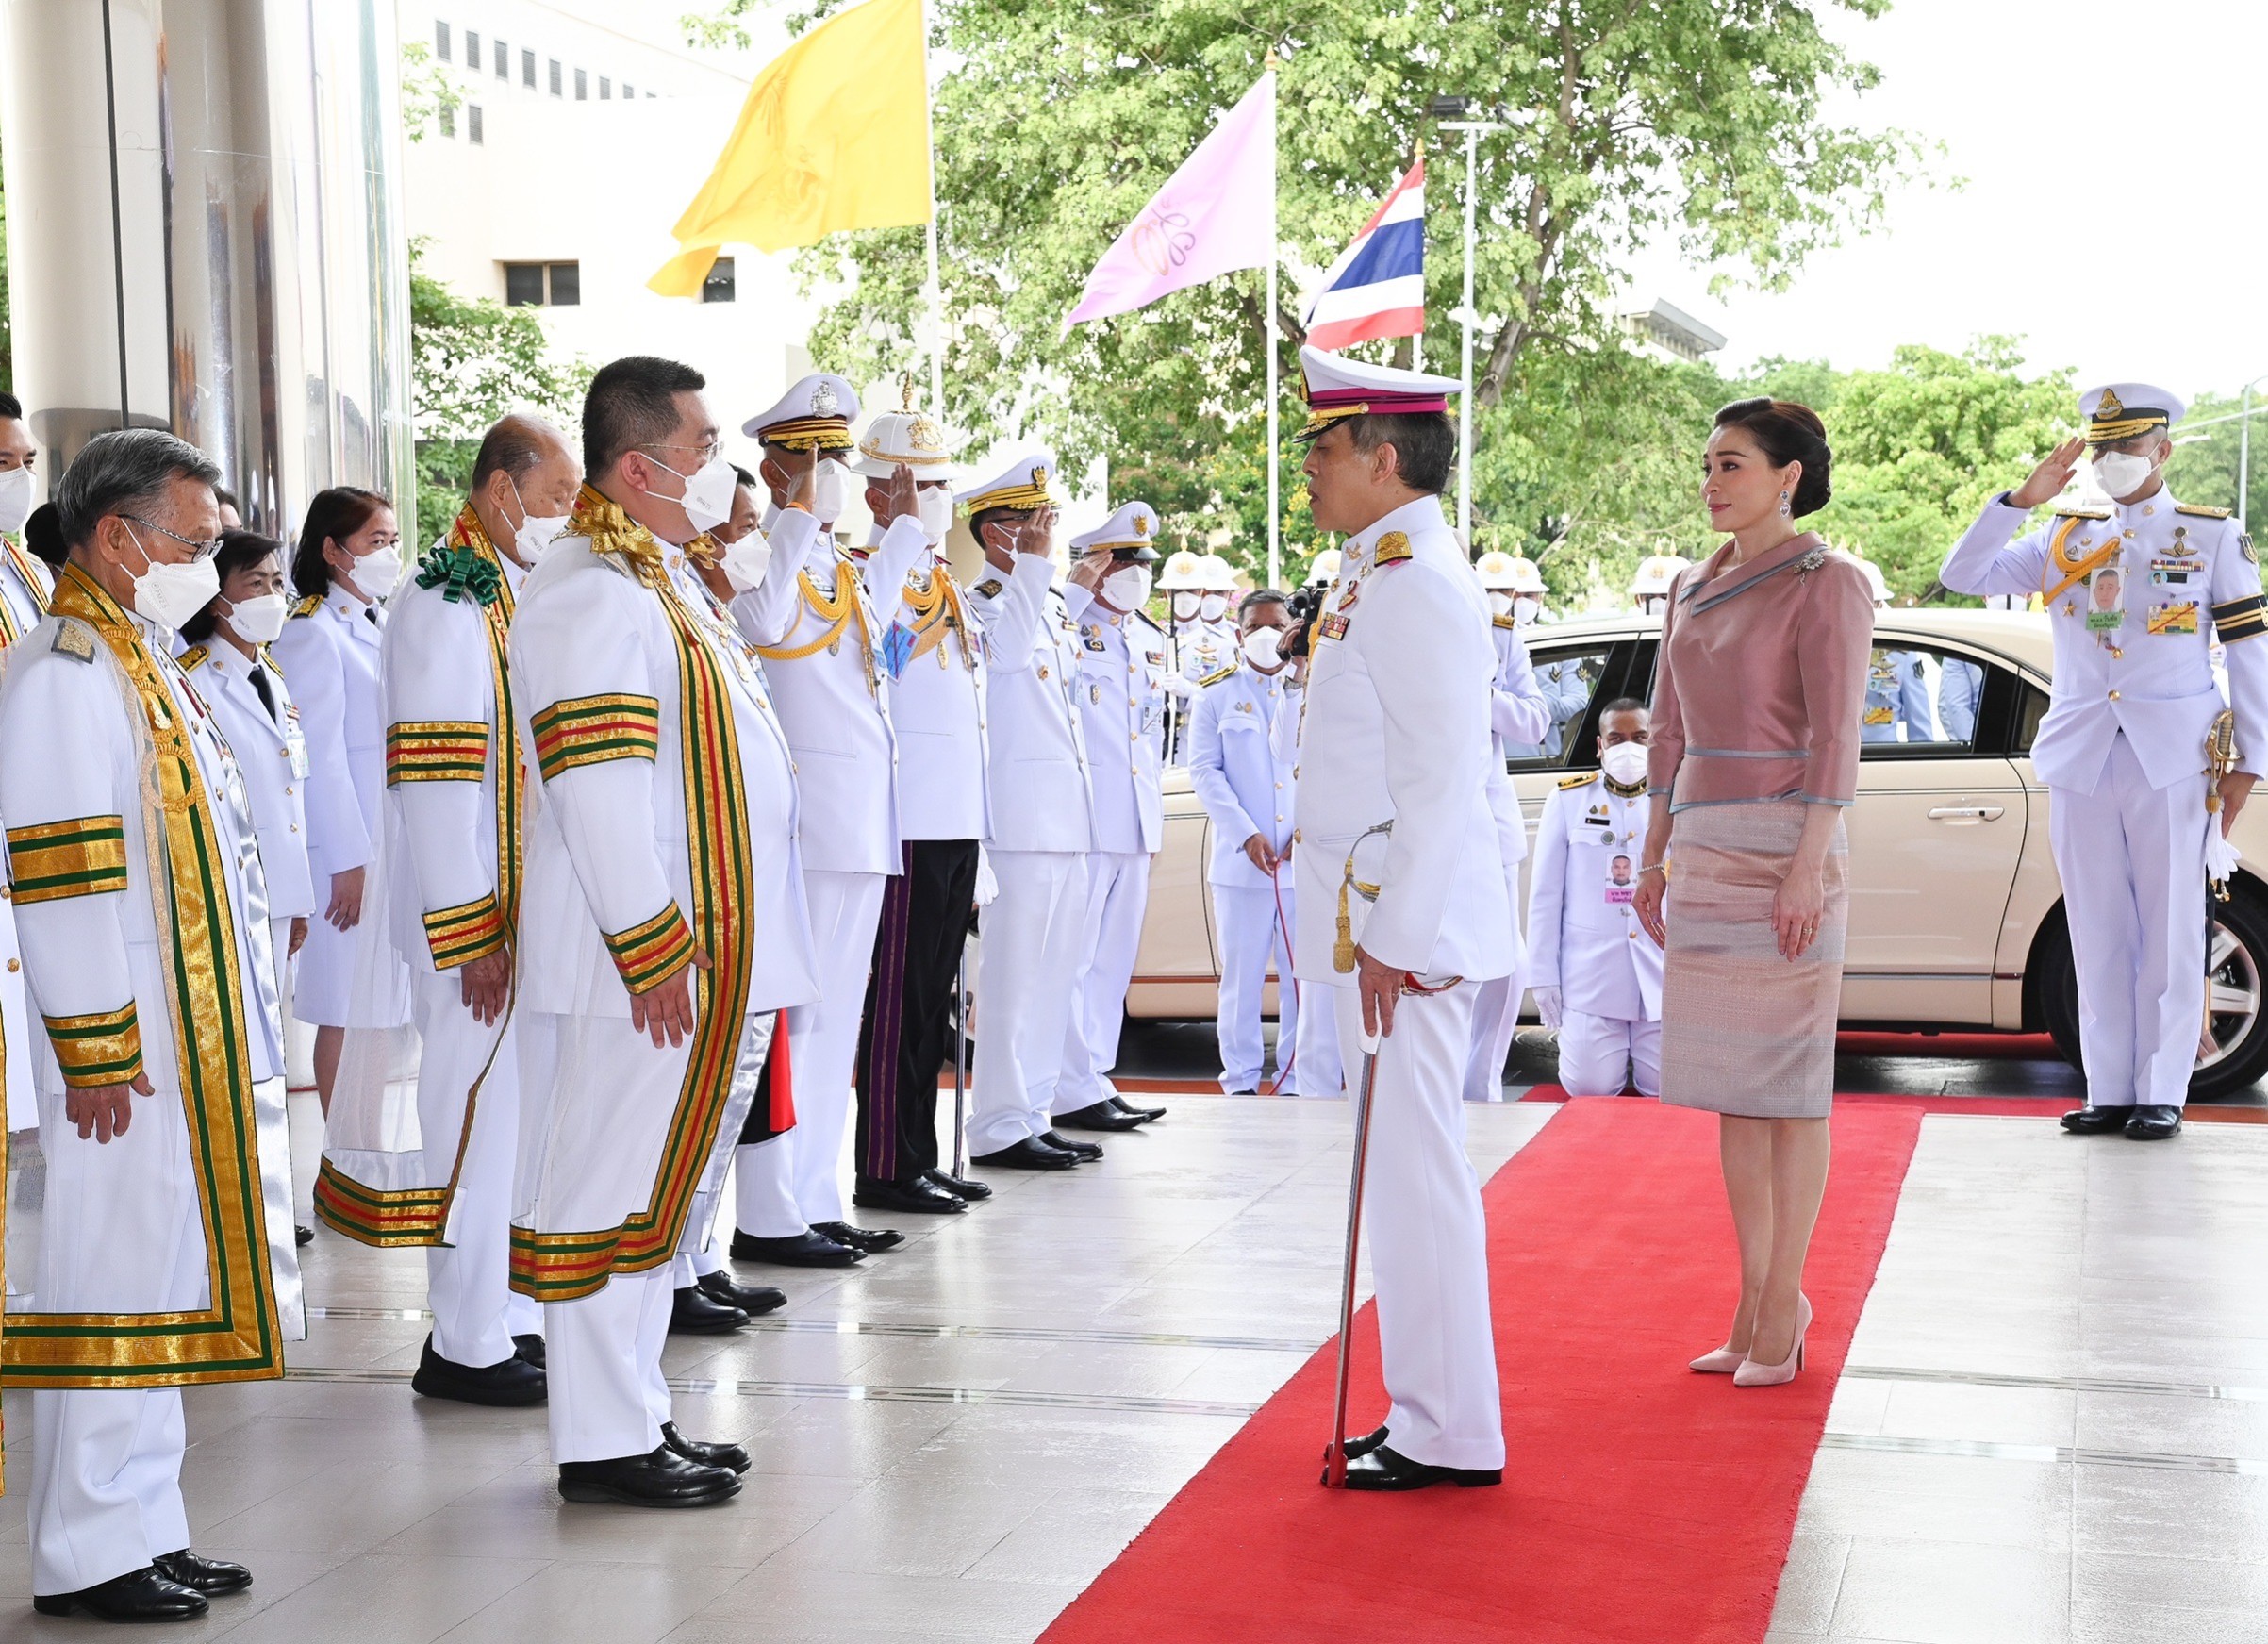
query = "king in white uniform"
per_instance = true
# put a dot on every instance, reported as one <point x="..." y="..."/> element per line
<point x="2135" y="599"/>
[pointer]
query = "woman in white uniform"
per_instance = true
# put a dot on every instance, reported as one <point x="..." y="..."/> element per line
<point x="347" y="561"/>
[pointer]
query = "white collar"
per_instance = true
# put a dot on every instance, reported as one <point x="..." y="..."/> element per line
<point x="1419" y="514"/>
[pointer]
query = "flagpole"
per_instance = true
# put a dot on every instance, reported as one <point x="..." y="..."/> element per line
<point x="933" y="293"/>
<point x="1268" y="336"/>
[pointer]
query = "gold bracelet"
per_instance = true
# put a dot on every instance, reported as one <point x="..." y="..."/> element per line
<point x="1661" y="868"/>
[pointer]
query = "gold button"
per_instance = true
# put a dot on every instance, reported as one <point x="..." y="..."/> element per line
<point x="295" y="827"/>
<point x="1294" y="836"/>
<point x="283" y="753"/>
<point x="2114" y="696"/>
<point x="2117" y="652"/>
<point x="287" y="793"/>
<point x="15" y="965"/>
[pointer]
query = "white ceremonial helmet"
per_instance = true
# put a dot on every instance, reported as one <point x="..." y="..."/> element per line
<point x="1526" y="578"/>
<point x="1324" y="567"/>
<point x="909" y="436"/>
<point x="1219" y="577"/>
<point x="1184" y="568"/>
<point x="1656" y="574"/>
<point x="1877" y="590"/>
<point x="1494" y="568"/>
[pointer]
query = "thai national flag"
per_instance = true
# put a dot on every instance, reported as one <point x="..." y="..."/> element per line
<point x="1377" y="287"/>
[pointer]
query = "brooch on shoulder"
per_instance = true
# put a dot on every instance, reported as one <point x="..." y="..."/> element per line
<point x="1811" y="562"/>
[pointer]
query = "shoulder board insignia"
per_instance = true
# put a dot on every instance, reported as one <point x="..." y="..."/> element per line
<point x="1392" y="547"/>
<point x="1217" y="675"/>
<point x="990" y="587"/>
<point x="72" y="638"/>
<point x="1505" y="622"/>
<point x="2245" y="547"/>
<point x="307" y="607"/>
<point x="274" y="666"/>
<point x="2200" y="511"/>
<point x="2082" y="513"/>
<point x="193" y="659"/>
<point x="1580" y="779"/>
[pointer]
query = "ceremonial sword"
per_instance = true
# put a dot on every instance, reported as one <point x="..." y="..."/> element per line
<point x="960" y="1058"/>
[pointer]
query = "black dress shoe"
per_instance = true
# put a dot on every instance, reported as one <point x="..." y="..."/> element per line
<point x="2093" y="1120"/>
<point x="2154" y="1122"/>
<point x="956" y="1185"/>
<point x="531" y="1349"/>
<point x="662" y="1479"/>
<point x="1386" y="1469"/>
<point x="866" y="1240"/>
<point x="1144" y="1114"/>
<point x="695" y="1312"/>
<point x="702" y="1453"/>
<point x="753" y="1299"/>
<point x="302" y="1235"/>
<point x="508" y="1383"/>
<point x="918" y="1196"/>
<point x="1097" y="1116"/>
<point x="1027" y="1154"/>
<point x="140" y="1595"/>
<point x="210" y="1576"/>
<point x="1367" y="1443"/>
<point x="1085" y="1152"/>
<point x="807" y="1249"/>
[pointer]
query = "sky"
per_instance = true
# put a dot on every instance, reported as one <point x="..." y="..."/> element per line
<point x="2108" y="211"/>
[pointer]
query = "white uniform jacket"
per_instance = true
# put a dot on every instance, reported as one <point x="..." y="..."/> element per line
<point x="1243" y="781"/>
<point x="1897" y="694"/>
<point x="1582" y="936"/>
<point x="1200" y="650"/>
<point x="822" y="664"/>
<point x="273" y="756"/>
<point x="1519" y="716"/>
<point x="1035" y="763"/>
<point x="937" y="701"/>
<point x="26" y="584"/>
<point x="1398" y="731"/>
<point x="329" y="652"/>
<point x="2184" y="575"/>
<point x="1120" y="691"/>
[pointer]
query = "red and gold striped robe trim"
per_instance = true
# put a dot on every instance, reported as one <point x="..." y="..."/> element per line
<point x="436" y="751"/>
<point x="649" y="953"/>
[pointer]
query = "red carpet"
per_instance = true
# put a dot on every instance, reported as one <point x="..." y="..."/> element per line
<point x="1643" y="1503"/>
<point x="1986" y="1107"/>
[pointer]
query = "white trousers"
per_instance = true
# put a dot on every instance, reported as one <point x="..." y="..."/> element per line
<point x="699" y="1250"/>
<point x="1599" y="1055"/>
<point x="781" y="1187"/>
<point x="608" y="1397"/>
<point x="1318" y="1069"/>
<point x="1117" y="894"/>
<point x="1027" y="956"/>
<point x="1497" y="1010"/>
<point x="476" y="1313"/>
<point x="1251" y="933"/>
<point x="1429" y="1241"/>
<point x="2133" y="860"/>
<point x="106" y="1484"/>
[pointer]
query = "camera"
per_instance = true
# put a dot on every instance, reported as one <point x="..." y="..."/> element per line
<point x="1303" y="606"/>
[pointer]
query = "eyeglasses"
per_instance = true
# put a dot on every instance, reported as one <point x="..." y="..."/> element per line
<point x="709" y="452"/>
<point x="197" y="550"/>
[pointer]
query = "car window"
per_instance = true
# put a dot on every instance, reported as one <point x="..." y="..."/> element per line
<point x="1921" y="701"/>
<point x="1568" y="676"/>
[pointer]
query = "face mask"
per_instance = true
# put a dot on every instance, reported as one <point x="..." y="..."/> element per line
<point x="933" y="506"/>
<point x="1128" y="587"/>
<point x="1498" y="604"/>
<point x="169" y="595"/>
<point x="708" y="494"/>
<point x="537" y="532"/>
<point x="744" y="562"/>
<point x="15" y="499"/>
<point x="259" y="620"/>
<point x="1524" y="610"/>
<point x="830" y="489"/>
<point x="1625" y="763"/>
<point x="2121" y="474"/>
<point x="1213" y="606"/>
<point x="1184" y="605"/>
<point x="1264" y="648"/>
<point x="376" y="575"/>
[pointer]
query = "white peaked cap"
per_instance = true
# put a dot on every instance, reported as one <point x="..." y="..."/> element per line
<point x="815" y="414"/>
<point x="1131" y="526"/>
<point x="1023" y="483"/>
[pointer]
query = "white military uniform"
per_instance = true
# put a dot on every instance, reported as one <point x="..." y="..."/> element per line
<point x="1247" y="788"/>
<point x="1517" y="714"/>
<point x="125" y="1236"/>
<point x="329" y="652"/>
<point x="1584" y="940"/>
<point x="1120" y="693"/>
<point x="640" y="855"/>
<point x="25" y="583"/>
<point x="2122" y="749"/>
<point x="1897" y="698"/>
<point x="1043" y="828"/>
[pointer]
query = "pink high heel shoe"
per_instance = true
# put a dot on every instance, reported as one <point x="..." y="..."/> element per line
<point x="1723" y="1362"/>
<point x="1753" y="1374"/>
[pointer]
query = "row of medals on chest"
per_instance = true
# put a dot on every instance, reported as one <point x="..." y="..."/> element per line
<point x="2174" y="596"/>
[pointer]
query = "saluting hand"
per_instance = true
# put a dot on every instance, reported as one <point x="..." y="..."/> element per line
<point x="900" y="499"/>
<point x="2048" y="480"/>
<point x="664" y="1013"/>
<point x="104" y="1110"/>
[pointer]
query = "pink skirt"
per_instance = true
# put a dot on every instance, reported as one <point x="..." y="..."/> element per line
<point x="1745" y="1031"/>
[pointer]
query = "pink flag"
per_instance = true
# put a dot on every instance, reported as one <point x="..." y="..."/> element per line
<point x="1216" y="214"/>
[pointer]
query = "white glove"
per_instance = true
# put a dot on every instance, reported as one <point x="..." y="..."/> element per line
<point x="1548" y="1009"/>
<point x="987" y="884"/>
<point x="2221" y="857"/>
<point x="1180" y="685"/>
<point x="745" y="562"/>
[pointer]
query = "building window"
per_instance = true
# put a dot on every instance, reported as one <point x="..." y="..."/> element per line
<point x="504" y="60"/>
<point x="473" y="130"/>
<point x="628" y="90"/>
<point x="717" y="287"/>
<point x="558" y="285"/>
<point x="605" y="88"/>
<point x="527" y="69"/>
<point x="558" y="85"/>
<point x="441" y="41"/>
<point x="448" y="114"/>
<point x="473" y="51"/>
<point x="582" y="87"/>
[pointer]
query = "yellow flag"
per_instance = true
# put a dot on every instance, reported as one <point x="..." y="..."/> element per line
<point x="834" y="135"/>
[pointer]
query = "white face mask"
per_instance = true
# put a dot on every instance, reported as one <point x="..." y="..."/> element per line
<point x="377" y="574"/>
<point x="15" y="499"/>
<point x="1498" y="604"/>
<point x="2121" y="474"/>
<point x="1264" y="648"/>
<point x="1213" y="606"/>
<point x="1524" y="610"/>
<point x="1185" y="602"/>
<point x="709" y="493"/>
<point x="745" y="562"/>
<point x="261" y="619"/>
<point x="1625" y="763"/>
<point x="1128" y="587"/>
<point x="169" y="595"/>
<point x="933" y="506"/>
<point x="537" y="532"/>
<point x="830" y="490"/>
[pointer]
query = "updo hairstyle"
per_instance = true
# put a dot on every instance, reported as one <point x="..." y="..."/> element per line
<point x="1787" y="432"/>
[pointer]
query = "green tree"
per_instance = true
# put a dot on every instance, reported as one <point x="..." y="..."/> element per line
<point x="2204" y="469"/>
<point x="428" y="95"/>
<point x="471" y="360"/>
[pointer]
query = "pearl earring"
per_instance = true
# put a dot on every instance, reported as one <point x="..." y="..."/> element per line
<point x="1784" y="509"/>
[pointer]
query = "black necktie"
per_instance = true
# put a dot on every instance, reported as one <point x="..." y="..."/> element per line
<point x="371" y="613"/>
<point x="260" y="683"/>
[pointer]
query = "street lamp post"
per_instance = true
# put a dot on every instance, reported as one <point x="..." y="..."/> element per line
<point x="2244" y="457"/>
<point x="1447" y="112"/>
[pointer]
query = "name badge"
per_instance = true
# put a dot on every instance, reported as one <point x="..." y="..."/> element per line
<point x="2175" y="617"/>
<point x="295" y="742"/>
<point x="2106" y="600"/>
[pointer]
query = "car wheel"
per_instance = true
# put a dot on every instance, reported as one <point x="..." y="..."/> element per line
<point x="2236" y="979"/>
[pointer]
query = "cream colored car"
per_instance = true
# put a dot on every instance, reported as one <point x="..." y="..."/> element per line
<point x="1956" y="914"/>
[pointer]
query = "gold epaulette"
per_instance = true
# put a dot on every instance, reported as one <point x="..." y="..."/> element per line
<point x="1505" y="622"/>
<point x="193" y="659"/>
<point x="274" y="666"/>
<point x="2200" y="511"/>
<point x="1218" y="674"/>
<point x="2082" y="513"/>
<point x="308" y="606"/>
<point x="1392" y="549"/>
<point x="1577" y="780"/>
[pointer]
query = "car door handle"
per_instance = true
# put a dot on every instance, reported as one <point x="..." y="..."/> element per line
<point x="1968" y="813"/>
